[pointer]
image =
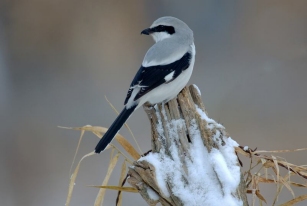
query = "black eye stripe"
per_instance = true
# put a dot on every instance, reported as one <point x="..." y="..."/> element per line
<point x="161" y="28"/>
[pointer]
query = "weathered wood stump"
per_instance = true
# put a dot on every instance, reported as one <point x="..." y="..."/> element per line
<point x="184" y="137"/>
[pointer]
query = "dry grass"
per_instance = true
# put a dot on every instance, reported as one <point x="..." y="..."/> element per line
<point x="266" y="168"/>
<point x="114" y="157"/>
<point x="263" y="168"/>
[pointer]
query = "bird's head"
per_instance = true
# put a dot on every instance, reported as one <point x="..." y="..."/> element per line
<point x="166" y="27"/>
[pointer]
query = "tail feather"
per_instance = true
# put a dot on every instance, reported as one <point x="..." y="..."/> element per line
<point x="115" y="127"/>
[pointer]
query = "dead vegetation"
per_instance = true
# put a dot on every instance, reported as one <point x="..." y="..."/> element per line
<point x="264" y="168"/>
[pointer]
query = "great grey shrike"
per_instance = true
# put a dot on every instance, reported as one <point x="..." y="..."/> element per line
<point x="165" y="70"/>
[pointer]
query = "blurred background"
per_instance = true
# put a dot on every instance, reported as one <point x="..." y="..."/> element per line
<point x="59" y="58"/>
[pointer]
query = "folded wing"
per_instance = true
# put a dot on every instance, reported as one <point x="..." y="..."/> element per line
<point x="148" y="78"/>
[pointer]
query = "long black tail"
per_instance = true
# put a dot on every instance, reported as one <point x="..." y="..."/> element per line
<point x="115" y="127"/>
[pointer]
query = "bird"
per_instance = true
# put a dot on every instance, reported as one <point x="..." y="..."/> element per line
<point x="164" y="72"/>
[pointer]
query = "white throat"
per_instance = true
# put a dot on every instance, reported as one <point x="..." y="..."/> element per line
<point x="159" y="36"/>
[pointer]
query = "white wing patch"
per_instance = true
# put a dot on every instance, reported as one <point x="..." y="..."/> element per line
<point x="169" y="77"/>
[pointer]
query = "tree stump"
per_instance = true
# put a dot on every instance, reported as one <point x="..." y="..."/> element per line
<point x="192" y="161"/>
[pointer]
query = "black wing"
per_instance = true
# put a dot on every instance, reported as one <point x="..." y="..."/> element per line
<point x="151" y="77"/>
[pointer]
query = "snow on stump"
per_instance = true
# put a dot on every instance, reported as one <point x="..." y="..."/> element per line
<point x="192" y="161"/>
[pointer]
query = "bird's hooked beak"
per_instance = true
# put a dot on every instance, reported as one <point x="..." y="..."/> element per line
<point x="147" y="31"/>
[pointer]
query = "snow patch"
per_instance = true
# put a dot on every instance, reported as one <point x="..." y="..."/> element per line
<point x="198" y="90"/>
<point x="210" y="178"/>
<point x="152" y="194"/>
<point x="211" y="122"/>
<point x="158" y="162"/>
